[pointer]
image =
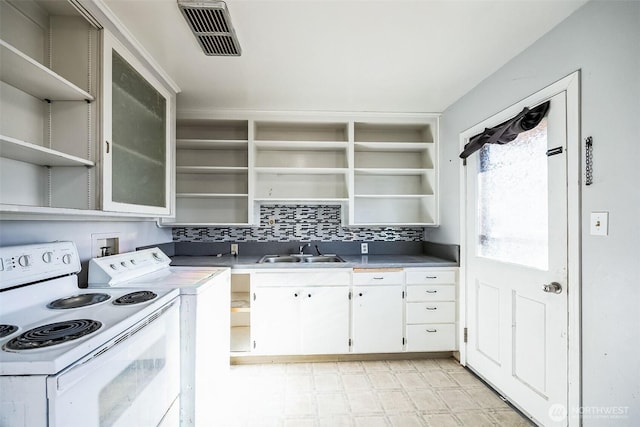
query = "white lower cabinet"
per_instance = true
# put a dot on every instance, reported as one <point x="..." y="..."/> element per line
<point x="341" y="311"/>
<point x="308" y="313"/>
<point x="377" y="319"/>
<point x="275" y="318"/>
<point x="431" y="310"/>
<point x="324" y="314"/>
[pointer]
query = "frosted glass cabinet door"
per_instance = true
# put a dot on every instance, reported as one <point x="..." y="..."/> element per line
<point x="137" y="133"/>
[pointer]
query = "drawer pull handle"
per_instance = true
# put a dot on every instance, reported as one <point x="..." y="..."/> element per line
<point x="432" y="292"/>
<point x="432" y="277"/>
<point x="432" y="330"/>
<point x="432" y="308"/>
<point x="378" y="278"/>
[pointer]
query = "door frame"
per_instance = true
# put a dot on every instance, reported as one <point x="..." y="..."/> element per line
<point x="571" y="85"/>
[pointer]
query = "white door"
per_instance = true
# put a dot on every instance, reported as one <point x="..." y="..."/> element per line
<point x="516" y="243"/>
<point x="377" y="319"/>
<point x="325" y="320"/>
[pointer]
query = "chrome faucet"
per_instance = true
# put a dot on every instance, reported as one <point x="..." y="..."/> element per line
<point x="301" y="248"/>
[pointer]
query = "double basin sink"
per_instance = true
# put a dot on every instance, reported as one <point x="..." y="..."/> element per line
<point x="299" y="258"/>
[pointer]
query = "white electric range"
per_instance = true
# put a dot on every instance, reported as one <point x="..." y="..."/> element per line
<point x="204" y="322"/>
<point x="71" y="356"/>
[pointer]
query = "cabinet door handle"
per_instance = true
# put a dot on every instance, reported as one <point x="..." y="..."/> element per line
<point x="295" y="295"/>
<point x="432" y="308"/>
<point x="107" y="144"/>
<point x="360" y="294"/>
<point x="432" y="292"/>
<point x="432" y="330"/>
<point x="309" y="295"/>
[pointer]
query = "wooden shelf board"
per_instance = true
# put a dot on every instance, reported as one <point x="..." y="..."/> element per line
<point x="28" y="75"/>
<point x="303" y="145"/>
<point x="35" y="154"/>
<point x="211" y="144"/>
<point x="302" y="171"/>
<point x="211" y="195"/>
<point x="393" y="196"/>
<point x="206" y="224"/>
<point x="301" y="200"/>
<point x="393" y="146"/>
<point x="392" y="171"/>
<point x="211" y="169"/>
<point x="241" y="296"/>
<point x="392" y="224"/>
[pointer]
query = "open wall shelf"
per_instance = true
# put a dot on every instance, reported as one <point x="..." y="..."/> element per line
<point x="25" y="73"/>
<point x="383" y="170"/>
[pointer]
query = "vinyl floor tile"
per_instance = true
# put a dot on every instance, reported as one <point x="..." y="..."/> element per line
<point x="393" y="393"/>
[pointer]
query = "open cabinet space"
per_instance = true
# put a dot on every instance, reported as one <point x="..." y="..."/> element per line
<point x="382" y="168"/>
<point x="48" y="78"/>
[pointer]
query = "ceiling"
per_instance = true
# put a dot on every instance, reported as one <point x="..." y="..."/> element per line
<point x="329" y="55"/>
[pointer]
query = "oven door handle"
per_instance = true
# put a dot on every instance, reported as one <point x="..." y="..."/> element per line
<point x="111" y="350"/>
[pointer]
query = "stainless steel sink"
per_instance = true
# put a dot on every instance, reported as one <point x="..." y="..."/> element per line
<point x="297" y="258"/>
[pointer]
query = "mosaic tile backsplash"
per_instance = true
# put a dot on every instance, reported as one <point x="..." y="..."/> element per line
<point x="298" y="223"/>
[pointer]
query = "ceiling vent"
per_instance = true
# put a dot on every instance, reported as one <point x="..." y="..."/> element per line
<point x="210" y="22"/>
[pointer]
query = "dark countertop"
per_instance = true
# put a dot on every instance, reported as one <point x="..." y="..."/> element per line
<point x="351" y="261"/>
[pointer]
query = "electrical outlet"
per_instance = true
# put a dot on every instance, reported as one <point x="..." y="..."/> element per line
<point x="234" y="249"/>
<point x="105" y="244"/>
<point x="364" y="248"/>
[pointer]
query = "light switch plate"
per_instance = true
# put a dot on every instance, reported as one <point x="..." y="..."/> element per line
<point x="599" y="223"/>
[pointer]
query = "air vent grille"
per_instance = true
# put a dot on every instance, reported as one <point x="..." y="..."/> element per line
<point x="211" y="25"/>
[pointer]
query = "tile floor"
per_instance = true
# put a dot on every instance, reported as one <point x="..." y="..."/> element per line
<point x="402" y="393"/>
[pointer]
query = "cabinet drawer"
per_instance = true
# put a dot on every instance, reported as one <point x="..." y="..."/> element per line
<point x="436" y="337"/>
<point x="431" y="293"/>
<point x="430" y="277"/>
<point x="378" y="278"/>
<point x="431" y="312"/>
<point x="300" y="278"/>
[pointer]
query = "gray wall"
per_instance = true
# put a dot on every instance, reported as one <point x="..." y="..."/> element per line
<point x="602" y="39"/>
<point x="132" y="234"/>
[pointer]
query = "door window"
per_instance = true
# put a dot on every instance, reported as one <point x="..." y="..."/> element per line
<point x="513" y="200"/>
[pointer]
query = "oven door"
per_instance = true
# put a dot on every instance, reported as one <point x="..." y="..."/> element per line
<point x="132" y="383"/>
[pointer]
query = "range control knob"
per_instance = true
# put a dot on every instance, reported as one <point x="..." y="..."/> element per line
<point x="24" y="260"/>
<point x="66" y="258"/>
<point x="47" y="257"/>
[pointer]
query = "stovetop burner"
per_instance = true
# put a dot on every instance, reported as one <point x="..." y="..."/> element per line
<point x="52" y="334"/>
<point x="76" y="301"/>
<point x="135" y="298"/>
<point x="6" y="330"/>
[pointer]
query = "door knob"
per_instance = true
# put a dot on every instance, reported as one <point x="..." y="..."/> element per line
<point x="553" y="287"/>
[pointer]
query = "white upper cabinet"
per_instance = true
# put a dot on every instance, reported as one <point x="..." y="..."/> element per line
<point x="48" y="85"/>
<point x="212" y="173"/>
<point x="395" y="174"/>
<point x="137" y="129"/>
<point x="301" y="162"/>
<point x="59" y="87"/>
<point x="382" y="169"/>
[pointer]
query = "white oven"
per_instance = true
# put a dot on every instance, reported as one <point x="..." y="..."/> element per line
<point x="128" y="382"/>
<point x="204" y="317"/>
<point x="77" y="357"/>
